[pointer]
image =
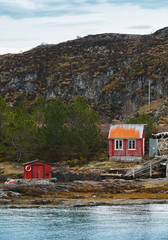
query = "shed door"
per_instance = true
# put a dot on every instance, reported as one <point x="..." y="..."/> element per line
<point x="38" y="171"/>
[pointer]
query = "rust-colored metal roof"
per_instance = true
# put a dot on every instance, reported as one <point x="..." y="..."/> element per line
<point x="125" y="131"/>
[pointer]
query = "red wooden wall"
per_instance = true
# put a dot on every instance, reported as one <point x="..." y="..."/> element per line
<point x="37" y="170"/>
<point x="126" y="152"/>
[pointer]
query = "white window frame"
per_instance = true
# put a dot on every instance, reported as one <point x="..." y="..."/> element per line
<point x="120" y="146"/>
<point x="132" y="141"/>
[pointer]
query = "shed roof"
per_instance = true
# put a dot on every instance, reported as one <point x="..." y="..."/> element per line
<point x="35" y="162"/>
<point x="124" y="131"/>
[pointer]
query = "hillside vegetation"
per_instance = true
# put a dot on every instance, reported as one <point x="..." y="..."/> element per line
<point x="50" y="131"/>
<point x="110" y="70"/>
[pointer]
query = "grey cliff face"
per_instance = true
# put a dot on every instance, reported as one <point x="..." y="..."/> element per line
<point x="111" y="70"/>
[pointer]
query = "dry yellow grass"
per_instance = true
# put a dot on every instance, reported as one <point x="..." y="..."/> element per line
<point x="104" y="165"/>
<point x="159" y="182"/>
<point x="12" y="168"/>
<point x="154" y="105"/>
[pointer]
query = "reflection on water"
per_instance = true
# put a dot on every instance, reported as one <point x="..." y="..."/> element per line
<point x="128" y="222"/>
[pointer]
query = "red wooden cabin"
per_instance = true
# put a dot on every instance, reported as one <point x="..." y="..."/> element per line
<point x="37" y="170"/>
<point x="126" y="142"/>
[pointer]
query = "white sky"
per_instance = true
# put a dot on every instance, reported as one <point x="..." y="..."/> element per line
<point x="24" y="24"/>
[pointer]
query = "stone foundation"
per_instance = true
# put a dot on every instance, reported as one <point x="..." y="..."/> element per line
<point x="125" y="158"/>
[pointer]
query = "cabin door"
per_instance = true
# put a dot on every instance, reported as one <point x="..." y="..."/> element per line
<point x="38" y="171"/>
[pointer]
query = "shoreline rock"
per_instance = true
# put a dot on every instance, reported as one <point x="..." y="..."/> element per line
<point x="84" y="193"/>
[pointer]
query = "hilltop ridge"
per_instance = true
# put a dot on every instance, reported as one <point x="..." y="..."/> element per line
<point x="111" y="70"/>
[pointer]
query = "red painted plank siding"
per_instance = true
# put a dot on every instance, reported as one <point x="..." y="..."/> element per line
<point x="126" y="152"/>
<point x="37" y="170"/>
<point x="111" y="147"/>
<point x="137" y="151"/>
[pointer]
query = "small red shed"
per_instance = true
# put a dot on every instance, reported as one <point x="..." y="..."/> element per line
<point x="126" y="142"/>
<point x="37" y="170"/>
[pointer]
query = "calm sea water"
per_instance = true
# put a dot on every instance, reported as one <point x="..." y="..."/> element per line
<point x="142" y="222"/>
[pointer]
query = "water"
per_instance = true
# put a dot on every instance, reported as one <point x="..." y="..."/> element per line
<point x="135" y="222"/>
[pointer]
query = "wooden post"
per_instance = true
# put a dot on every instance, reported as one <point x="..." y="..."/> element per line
<point x="166" y="169"/>
<point x="149" y="96"/>
<point x="150" y="169"/>
<point x="133" y="173"/>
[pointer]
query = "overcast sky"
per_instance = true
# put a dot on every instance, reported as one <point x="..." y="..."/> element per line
<point x="24" y="24"/>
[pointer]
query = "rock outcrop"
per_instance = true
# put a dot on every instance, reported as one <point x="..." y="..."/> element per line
<point x="111" y="70"/>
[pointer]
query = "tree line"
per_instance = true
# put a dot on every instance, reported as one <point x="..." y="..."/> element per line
<point x="48" y="130"/>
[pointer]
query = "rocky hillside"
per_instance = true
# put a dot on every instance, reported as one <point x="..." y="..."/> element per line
<point x="111" y="70"/>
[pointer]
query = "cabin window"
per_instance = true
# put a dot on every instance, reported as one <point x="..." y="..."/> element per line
<point x="131" y="144"/>
<point x="118" y="144"/>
